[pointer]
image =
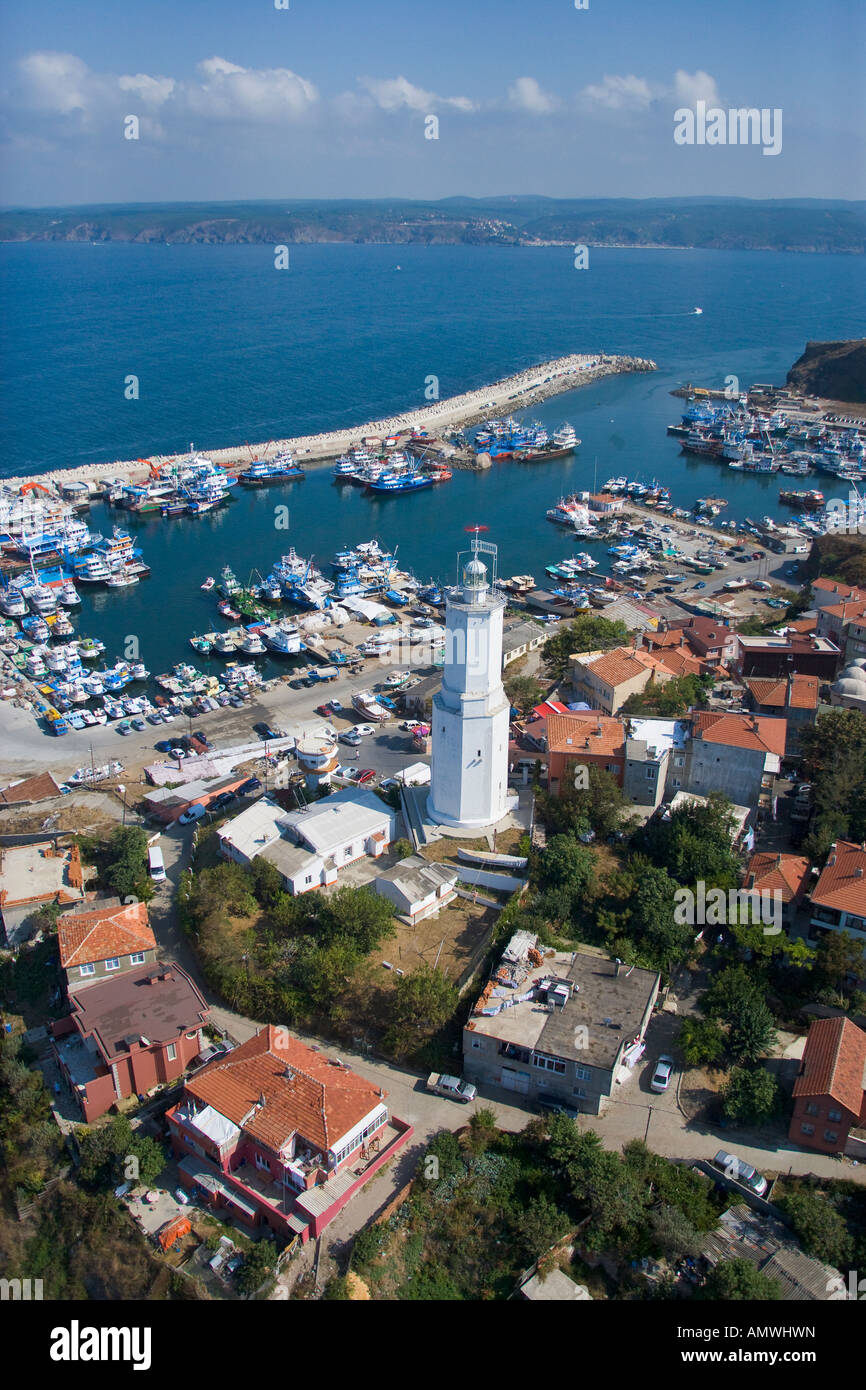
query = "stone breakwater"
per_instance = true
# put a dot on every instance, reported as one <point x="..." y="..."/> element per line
<point x="437" y="417"/>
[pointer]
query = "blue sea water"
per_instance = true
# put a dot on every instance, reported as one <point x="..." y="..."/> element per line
<point x="228" y="349"/>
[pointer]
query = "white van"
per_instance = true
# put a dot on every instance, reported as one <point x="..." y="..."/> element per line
<point x="155" y="864"/>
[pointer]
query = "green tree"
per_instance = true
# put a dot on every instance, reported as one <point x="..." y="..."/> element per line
<point x="701" y="1041"/>
<point x="259" y="1263"/>
<point x="126" y="863"/>
<point x="740" y="1281"/>
<point x="539" y="1225"/>
<point x="694" y="845"/>
<point x="751" y="1095"/>
<point x="422" y="1002"/>
<point x="751" y="1030"/>
<point x="568" y="865"/>
<point x="819" y="1227"/>
<point x="834" y="760"/>
<point x="358" y="915"/>
<point x="668" y="699"/>
<point x="599" y="806"/>
<point x="673" y="1233"/>
<point x="588" y="633"/>
<point x="840" y="961"/>
<point x="524" y="692"/>
<point x="480" y="1132"/>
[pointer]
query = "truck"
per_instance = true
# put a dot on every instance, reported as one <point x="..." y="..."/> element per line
<point x="451" y="1087"/>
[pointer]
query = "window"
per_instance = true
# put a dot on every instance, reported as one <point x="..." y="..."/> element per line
<point x="835" y="1116"/>
<point x="582" y="1073"/>
<point x="548" y="1063"/>
<point x="137" y="958"/>
<point x="579" y="1091"/>
<point x="650" y="772"/>
<point x="807" y="1129"/>
<point x="679" y="760"/>
<point x="831" y="1135"/>
<point x="171" y="1052"/>
<point x="262" y="1162"/>
<point x="87" y="969"/>
<point x="113" y="964"/>
<point x="309" y="878"/>
<point x="374" y="1124"/>
<point x="476" y="1043"/>
<point x="812" y="1109"/>
<point x="347" y="852"/>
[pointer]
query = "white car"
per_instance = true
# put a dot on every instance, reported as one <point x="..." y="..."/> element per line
<point x="194" y="812"/>
<point x="350" y="736"/>
<point x="363" y="729"/>
<point x="410" y="724"/>
<point x="662" y="1074"/>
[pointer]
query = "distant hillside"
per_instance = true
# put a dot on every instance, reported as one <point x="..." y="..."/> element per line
<point x="835" y="371"/>
<point x="710" y="223"/>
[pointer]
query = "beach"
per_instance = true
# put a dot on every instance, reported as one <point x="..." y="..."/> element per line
<point x="438" y="417"/>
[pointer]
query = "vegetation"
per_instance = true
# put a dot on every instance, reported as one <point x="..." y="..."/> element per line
<point x="599" y="806"/>
<point x="258" y="1266"/>
<point x="423" y="1002"/>
<point x="751" y="1095"/>
<point x="524" y="692"/>
<point x="736" y="998"/>
<point x="668" y="699"/>
<point x="834" y="761"/>
<point x="694" y="844"/>
<point x="739" y="1281"/>
<point x="819" y="1227"/>
<point x="588" y="633"/>
<point x="30" y="1142"/>
<point x="112" y="1154"/>
<point x="701" y="1041"/>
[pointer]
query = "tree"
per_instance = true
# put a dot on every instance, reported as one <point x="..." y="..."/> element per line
<point x="740" y="1281"/>
<point x="834" y="759"/>
<point x="751" y="1095"/>
<point x="481" y="1131"/>
<point x="588" y="633"/>
<point x="358" y="915"/>
<point x="751" y="1030"/>
<point x="840" y="961"/>
<point x="258" y="1265"/>
<point x="524" y="692"/>
<point x="422" y="1002"/>
<point x="669" y="698"/>
<point x="539" y="1225"/>
<point x="402" y="848"/>
<point x="568" y="865"/>
<point x="819" y="1227"/>
<point x="694" y="845"/>
<point x="598" y="806"/>
<point x="701" y="1041"/>
<point x="113" y="1153"/>
<point x="126" y="866"/>
<point x="673" y="1233"/>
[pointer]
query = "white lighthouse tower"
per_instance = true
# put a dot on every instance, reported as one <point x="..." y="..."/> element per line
<point x="469" y="781"/>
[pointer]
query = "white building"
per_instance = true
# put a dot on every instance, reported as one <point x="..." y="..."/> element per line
<point x="470" y="712"/>
<point x="309" y="847"/>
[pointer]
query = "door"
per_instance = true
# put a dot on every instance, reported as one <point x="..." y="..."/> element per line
<point x="515" y="1080"/>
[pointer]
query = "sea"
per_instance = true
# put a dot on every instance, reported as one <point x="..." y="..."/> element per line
<point x="228" y="350"/>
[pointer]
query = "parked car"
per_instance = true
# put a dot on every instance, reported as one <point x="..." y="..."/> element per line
<point x="296" y="685"/>
<point x="224" y="799"/>
<point x="197" y="733"/>
<point x="324" y="710"/>
<point x="367" y="774"/>
<point x="701" y="584"/>
<point x="335" y="705"/>
<point x="451" y="1087"/>
<point x="350" y="736"/>
<point x="252" y="784"/>
<point x="547" y="1105"/>
<point x="740" y="1171"/>
<point x="163" y="746"/>
<point x="124" y="727"/>
<point x="364" y="729"/>
<point x="662" y="1075"/>
<point x="192" y="813"/>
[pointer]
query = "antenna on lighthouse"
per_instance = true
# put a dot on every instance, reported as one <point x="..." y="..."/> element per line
<point x="479" y="547"/>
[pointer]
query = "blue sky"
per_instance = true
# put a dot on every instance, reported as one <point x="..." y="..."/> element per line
<point x="329" y="98"/>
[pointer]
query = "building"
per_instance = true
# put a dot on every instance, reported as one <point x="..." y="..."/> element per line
<point x="709" y="638"/>
<point x="781" y="655"/>
<point x="559" y="1026"/>
<point x="555" y="1287"/>
<point x="604" y="680"/>
<point x="649" y="751"/>
<point x="520" y="638"/>
<point x="736" y="754"/>
<point x="826" y="593"/>
<point x="786" y="874"/>
<point x="744" y="1234"/>
<point x="582" y="738"/>
<point x="126" y="1035"/>
<point x="849" y="691"/>
<point x="469" y="780"/>
<point x="167" y="803"/>
<point x="33" y="877"/>
<point x="108" y="938"/>
<point x="280" y="1135"/>
<point x="839" y="896"/>
<point x="794" y="698"/>
<point x="28" y="790"/>
<point x="310" y="846"/>
<point x="829" y="1094"/>
<point x="417" y="887"/>
<point x="834" y="620"/>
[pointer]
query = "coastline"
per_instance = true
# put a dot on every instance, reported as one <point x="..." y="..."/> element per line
<point x="516" y="392"/>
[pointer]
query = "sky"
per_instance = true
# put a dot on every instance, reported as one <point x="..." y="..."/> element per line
<point x="239" y="99"/>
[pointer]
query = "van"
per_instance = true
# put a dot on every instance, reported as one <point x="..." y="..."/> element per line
<point x="155" y="864"/>
<point x="740" y="1171"/>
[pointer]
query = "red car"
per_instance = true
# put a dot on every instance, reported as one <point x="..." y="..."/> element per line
<point x="366" y="774"/>
<point x="323" y="710"/>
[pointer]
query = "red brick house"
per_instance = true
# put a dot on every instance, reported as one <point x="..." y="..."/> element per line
<point x="105" y="940"/>
<point x="583" y="737"/>
<point x="126" y="1035"/>
<point x="710" y="639"/>
<point x="830" y="1090"/>
<point x="278" y="1134"/>
<point x="786" y="874"/>
<point x="793" y="697"/>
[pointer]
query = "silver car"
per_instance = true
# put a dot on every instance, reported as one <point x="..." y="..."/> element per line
<point x="662" y="1074"/>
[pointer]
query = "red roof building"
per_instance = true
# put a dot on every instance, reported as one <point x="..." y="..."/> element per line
<point x="786" y="874"/>
<point x="793" y="697"/>
<point x="839" y="896"/>
<point x="830" y="1089"/>
<point x="583" y="738"/>
<point x="104" y="940"/>
<point x="279" y="1134"/>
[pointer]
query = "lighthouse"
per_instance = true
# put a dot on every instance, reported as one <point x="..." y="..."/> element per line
<point x="469" y="775"/>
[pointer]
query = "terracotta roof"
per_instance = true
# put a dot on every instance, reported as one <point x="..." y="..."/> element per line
<point x="679" y="662"/>
<point x="785" y="873"/>
<point x="755" y="731"/>
<point x="579" y="730"/>
<point x="39" y="788"/>
<point x="842" y="883"/>
<point x="834" y="1062"/>
<point x="621" y="664"/>
<point x="848" y="610"/>
<point x="802" y="624"/>
<point x="770" y="690"/>
<point x="832" y="586"/>
<point x="302" y="1090"/>
<point x="670" y="638"/>
<point x="84" y="937"/>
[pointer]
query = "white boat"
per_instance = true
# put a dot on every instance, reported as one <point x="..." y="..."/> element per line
<point x="367" y="704"/>
<point x="209" y="582"/>
<point x="564" y="437"/>
<point x="68" y="595"/>
<point x="13" y="604"/>
<point x="41" y="599"/>
<point x="282" y="640"/>
<point x="252" y="645"/>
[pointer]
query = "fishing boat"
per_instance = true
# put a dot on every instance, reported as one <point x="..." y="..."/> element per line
<point x="225" y="644"/>
<point x="227" y="610"/>
<point x="282" y="639"/>
<point x="89" y="648"/>
<point x="35" y="628"/>
<point x="809" y="501"/>
<point x="13" y="604"/>
<point x="261" y="474"/>
<point x="565" y="438"/>
<point x="92" y="569"/>
<point x="68" y="595"/>
<point x="393" y="482"/>
<point x="201" y="644"/>
<point x="62" y="627"/>
<point x="208" y="583"/>
<point x="367" y="704"/>
<point x="40" y="599"/>
<point x="252" y="645"/>
<point x="121" y="579"/>
<point x="228" y="584"/>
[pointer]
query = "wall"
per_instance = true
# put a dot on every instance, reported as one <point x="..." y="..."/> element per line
<point x="715" y="767"/>
<point x="821" y="1123"/>
<point x="76" y="981"/>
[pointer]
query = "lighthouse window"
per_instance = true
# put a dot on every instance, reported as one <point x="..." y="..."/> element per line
<point x="479" y="753"/>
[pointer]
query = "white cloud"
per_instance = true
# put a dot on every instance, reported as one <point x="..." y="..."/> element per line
<point x="392" y="93"/>
<point x="151" y="90"/>
<point x="530" y="96"/>
<point x="57" y="81"/>
<point x="613" y="93"/>
<point x="695" y="86"/>
<point x="259" y="94"/>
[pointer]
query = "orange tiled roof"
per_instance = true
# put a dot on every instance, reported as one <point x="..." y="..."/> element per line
<point x="620" y="665"/>
<point x="832" y="586"/>
<point x="842" y="883"/>
<point x="769" y="690"/>
<point x="39" y="788"/>
<point x="785" y="873"/>
<point x="802" y="625"/>
<point x="585" y="731"/>
<point x="84" y="937"/>
<point x="755" y="731"/>
<point x="848" y="610"/>
<point x="301" y="1090"/>
<point x="834" y="1062"/>
<point x="679" y="663"/>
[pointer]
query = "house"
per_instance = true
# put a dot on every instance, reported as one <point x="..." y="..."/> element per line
<point x="280" y="1135"/>
<point x="786" y="874"/>
<point x="580" y="738"/>
<point x="649" y="750"/>
<point x="417" y="887"/>
<point x="126" y="1035"/>
<point x="830" y="1089"/>
<point x="309" y="847"/>
<point x="839" y="896"/>
<point x="744" y="1234"/>
<point x="554" y="1287"/>
<point x="736" y="754"/>
<point x="604" y="680"/>
<point x="709" y="638"/>
<point x="107" y="939"/>
<point x="781" y="654"/>
<point x="828" y="592"/>
<point x="33" y="877"/>
<point x="167" y="803"/>
<point x="834" y="620"/>
<point x="28" y="790"/>
<point x="520" y="638"/>
<point x="794" y="698"/>
<point x="558" y="1025"/>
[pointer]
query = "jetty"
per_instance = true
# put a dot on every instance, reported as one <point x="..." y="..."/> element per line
<point x="436" y="417"/>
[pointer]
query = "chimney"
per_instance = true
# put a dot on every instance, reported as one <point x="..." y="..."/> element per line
<point x="858" y="872"/>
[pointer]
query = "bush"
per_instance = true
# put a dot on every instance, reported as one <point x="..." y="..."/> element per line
<point x="751" y="1095"/>
<point x="701" y="1041"/>
<point x="819" y="1227"/>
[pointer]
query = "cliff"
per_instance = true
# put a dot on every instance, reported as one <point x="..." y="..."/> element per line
<point x="833" y="371"/>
